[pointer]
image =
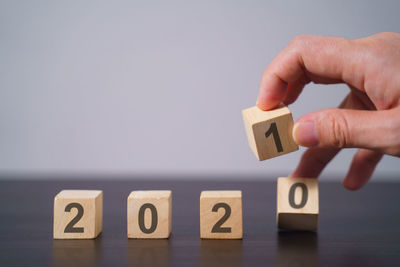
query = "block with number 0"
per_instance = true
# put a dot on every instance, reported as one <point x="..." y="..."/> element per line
<point x="269" y="133"/>
<point x="149" y="214"/>
<point x="297" y="204"/>
<point x="78" y="214"/>
<point x="221" y="215"/>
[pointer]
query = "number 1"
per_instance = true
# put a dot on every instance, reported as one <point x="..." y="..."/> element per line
<point x="274" y="131"/>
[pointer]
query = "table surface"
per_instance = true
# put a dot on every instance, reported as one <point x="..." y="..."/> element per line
<point x="356" y="228"/>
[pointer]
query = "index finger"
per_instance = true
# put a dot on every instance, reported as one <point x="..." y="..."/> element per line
<point x="308" y="58"/>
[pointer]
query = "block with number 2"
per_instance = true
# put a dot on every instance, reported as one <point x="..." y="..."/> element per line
<point x="221" y="215"/>
<point x="269" y="133"/>
<point x="78" y="214"/>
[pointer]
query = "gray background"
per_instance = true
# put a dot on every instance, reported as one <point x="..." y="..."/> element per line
<point x="157" y="87"/>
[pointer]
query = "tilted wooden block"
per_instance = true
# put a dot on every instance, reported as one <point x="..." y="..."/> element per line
<point x="221" y="215"/>
<point x="78" y="214"/>
<point x="297" y="204"/>
<point x="149" y="214"/>
<point x="269" y="133"/>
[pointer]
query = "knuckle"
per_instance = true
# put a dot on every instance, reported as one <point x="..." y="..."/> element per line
<point x="298" y="44"/>
<point x="383" y="35"/>
<point x="336" y="129"/>
<point x="300" y="39"/>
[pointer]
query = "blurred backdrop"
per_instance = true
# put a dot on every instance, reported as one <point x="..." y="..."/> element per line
<point x="157" y="87"/>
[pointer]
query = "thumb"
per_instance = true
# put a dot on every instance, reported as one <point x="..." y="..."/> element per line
<point x="341" y="128"/>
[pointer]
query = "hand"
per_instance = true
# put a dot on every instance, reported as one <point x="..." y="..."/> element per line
<point x="368" y="118"/>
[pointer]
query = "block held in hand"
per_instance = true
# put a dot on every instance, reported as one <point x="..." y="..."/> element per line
<point x="269" y="133"/>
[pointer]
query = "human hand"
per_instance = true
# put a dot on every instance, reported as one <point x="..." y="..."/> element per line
<point x="368" y="118"/>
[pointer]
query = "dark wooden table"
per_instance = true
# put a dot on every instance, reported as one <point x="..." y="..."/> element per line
<point x="356" y="228"/>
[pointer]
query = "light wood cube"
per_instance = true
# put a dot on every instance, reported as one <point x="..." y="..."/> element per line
<point x="269" y="133"/>
<point x="150" y="214"/>
<point x="78" y="214"/>
<point x="221" y="215"/>
<point x="297" y="204"/>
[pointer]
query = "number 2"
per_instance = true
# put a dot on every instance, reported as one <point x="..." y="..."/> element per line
<point x="274" y="131"/>
<point x="217" y="227"/>
<point x="70" y="226"/>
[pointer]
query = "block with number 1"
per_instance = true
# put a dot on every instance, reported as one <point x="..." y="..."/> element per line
<point x="269" y="133"/>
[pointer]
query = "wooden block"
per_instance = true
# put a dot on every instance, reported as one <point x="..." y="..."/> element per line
<point x="297" y="204"/>
<point x="269" y="133"/>
<point x="78" y="214"/>
<point x="221" y="215"/>
<point x="149" y="214"/>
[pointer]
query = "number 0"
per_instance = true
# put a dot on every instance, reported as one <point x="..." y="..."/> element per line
<point x="304" y="195"/>
<point x="154" y="218"/>
<point x="274" y="131"/>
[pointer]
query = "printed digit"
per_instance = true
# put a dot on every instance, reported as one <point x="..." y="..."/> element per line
<point x="154" y="218"/>
<point x="70" y="226"/>
<point x="304" y="196"/>
<point x="274" y="131"/>
<point x="217" y="227"/>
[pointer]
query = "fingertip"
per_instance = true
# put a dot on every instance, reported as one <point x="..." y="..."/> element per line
<point x="305" y="134"/>
<point x="268" y="102"/>
<point x="361" y="168"/>
<point x="272" y="92"/>
<point x="263" y="106"/>
<point x="351" y="185"/>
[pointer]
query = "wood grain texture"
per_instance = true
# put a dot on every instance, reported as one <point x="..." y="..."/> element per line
<point x="161" y="200"/>
<point x="91" y="221"/>
<point x="210" y="214"/>
<point x="302" y="213"/>
<point x="258" y="122"/>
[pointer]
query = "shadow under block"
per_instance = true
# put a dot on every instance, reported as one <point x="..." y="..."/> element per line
<point x="297" y="204"/>
<point x="269" y="133"/>
<point x="149" y="214"/>
<point x="221" y="215"/>
<point x="78" y="214"/>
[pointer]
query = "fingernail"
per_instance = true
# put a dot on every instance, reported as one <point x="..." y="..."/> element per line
<point x="305" y="133"/>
